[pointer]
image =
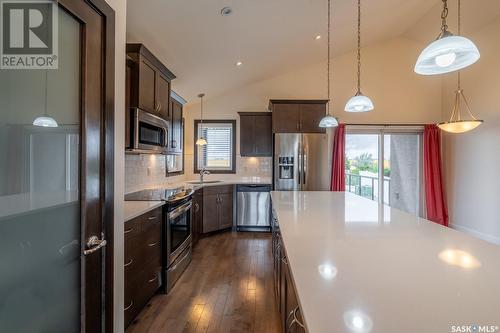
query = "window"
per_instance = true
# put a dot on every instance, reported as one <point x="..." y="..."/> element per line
<point x="219" y="155"/>
<point x="385" y="165"/>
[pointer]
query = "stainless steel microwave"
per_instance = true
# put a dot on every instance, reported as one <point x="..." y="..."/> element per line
<point x="147" y="133"/>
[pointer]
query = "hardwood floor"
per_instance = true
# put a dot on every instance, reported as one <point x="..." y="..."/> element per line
<point x="228" y="287"/>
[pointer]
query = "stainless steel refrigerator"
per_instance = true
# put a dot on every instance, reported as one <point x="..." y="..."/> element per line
<point x="301" y="162"/>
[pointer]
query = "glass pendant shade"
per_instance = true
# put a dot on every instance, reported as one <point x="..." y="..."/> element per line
<point x="447" y="54"/>
<point x="456" y="123"/>
<point x="201" y="142"/>
<point x="328" y="122"/>
<point x="460" y="126"/>
<point x="359" y="103"/>
<point x="45" y="121"/>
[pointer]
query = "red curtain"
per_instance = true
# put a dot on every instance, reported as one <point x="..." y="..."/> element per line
<point x="437" y="210"/>
<point x="338" y="159"/>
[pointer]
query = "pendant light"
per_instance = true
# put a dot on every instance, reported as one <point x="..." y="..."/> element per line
<point x="457" y="124"/>
<point x="328" y="121"/>
<point x="45" y="120"/>
<point x="359" y="102"/>
<point x="448" y="53"/>
<point x="201" y="141"/>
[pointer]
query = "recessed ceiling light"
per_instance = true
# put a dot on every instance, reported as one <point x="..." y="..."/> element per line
<point x="239" y="63"/>
<point x="317" y="37"/>
<point x="226" y="11"/>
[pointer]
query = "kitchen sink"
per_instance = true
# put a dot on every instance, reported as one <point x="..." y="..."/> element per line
<point x="197" y="182"/>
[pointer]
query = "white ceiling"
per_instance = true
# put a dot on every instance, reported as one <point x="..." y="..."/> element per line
<point x="270" y="37"/>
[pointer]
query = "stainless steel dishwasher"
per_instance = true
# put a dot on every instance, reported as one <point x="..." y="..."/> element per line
<point x="253" y="207"/>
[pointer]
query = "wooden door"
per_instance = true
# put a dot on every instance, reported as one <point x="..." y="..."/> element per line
<point x="163" y="96"/>
<point x="310" y="116"/>
<point x="247" y="135"/>
<point x="147" y="86"/>
<point x="286" y="118"/>
<point x="225" y="210"/>
<point x="61" y="178"/>
<point x="176" y="141"/>
<point x="263" y="135"/>
<point x="210" y="213"/>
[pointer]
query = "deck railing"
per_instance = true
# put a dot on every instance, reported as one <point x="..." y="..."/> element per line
<point x="365" y="185"/>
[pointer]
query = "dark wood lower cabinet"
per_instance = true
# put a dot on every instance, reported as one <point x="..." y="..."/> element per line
<point x="142" y="263"/>
<point x="197" y="215"/>
<point x="286" y="297"/>
<point x="217" y="207"/>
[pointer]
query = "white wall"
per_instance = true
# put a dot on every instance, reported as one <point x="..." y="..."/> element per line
<point x="120" y="7"/>
<point x="399" y="95"/>
<point x="472" y="159"/>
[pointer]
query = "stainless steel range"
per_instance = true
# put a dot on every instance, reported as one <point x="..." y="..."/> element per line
<point x="177" y="229"/>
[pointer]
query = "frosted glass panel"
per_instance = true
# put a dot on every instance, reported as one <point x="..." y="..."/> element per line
<point x="39" y="194"/>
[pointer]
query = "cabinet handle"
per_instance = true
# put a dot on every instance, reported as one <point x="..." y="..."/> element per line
<point x="174" y="144"/>
<point x="196" y="207"/>
<point x="152" y="244"/>
<point x="297" y="126"/>
<point x="128" y="231"/>
<point x="284" y="260"/>
<point x="153" y="279"/>
<point x="130" y="305"/>
<point x="152" y="218"/>
<point x="129" y="263"/>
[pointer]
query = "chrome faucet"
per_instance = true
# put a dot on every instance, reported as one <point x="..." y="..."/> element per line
<point x="202" y="173"/>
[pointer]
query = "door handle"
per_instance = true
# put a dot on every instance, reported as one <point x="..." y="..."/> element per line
<point x="94" y="244"/>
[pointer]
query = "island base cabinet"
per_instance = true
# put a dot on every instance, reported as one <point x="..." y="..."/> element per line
<point x="286" y="297"/>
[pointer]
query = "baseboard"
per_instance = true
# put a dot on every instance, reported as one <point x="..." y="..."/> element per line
<point x="483" y="236"/>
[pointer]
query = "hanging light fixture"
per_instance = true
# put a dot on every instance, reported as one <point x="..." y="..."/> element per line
<point x="201" y="141"/>
<point x="328" y="121"/>
<point x="45" y="120"/>
<point x="457" y="124"/>
<point x="448" y="53"/>
<point x="359" y="102"/>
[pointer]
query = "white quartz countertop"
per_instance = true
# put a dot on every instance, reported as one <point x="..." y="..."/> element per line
<point x="132" y="209"/>
<point x="363" y="267"/>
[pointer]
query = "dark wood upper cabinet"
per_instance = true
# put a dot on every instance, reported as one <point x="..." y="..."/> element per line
<point x="256" y="135"/>
<point x="149" y="86"/>
<point x="297" y="116"/>
<point x="176" y="127"/>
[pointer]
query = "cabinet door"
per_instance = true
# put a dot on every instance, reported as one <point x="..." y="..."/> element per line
<point x="176" y="138"/>
<point x="293" y="318"/>
<point x="263" y="136"/>
<point x="225" y="210"/>
<point x="247" y="135"/>
<point x="197" y="216"/>
<point x="286" y="118"/>
<point x="163" y="96"/>
<point x="210" y="213"/>
<point x="310" y="116"/>
<point x="147" y="85"/>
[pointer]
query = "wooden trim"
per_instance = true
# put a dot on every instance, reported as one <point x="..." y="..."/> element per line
<point x="296" y="101"/>
<point x="175" y="96"/>
<point x="195" y="148"/>
<point x="144" y="51"/>
<point x="264" y="113"/>
<point x="109" y="156"/>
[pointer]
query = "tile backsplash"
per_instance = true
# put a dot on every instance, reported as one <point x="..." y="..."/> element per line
<point x="143" y="171"/>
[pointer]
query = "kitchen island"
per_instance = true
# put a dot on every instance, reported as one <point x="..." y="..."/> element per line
<point x="358" y="266"/>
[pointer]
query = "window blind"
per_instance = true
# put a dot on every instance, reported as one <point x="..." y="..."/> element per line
<point x="217" y="154"/>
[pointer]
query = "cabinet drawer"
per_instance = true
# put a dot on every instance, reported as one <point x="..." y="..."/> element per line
<point x="149" y="283"/>
<point x="151" y="219"/>
<point x="219" y="189"/>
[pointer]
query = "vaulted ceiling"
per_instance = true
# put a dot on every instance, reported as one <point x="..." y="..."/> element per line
<point x="271" y="37"/>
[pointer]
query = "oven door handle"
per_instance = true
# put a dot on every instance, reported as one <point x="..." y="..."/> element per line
<point x="179" y="210"/>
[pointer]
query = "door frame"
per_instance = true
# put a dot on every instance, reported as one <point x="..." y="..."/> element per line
<point x="107" y="151"/>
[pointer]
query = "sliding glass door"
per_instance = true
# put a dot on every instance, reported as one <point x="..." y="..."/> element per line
<point x="385" y="165"/>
